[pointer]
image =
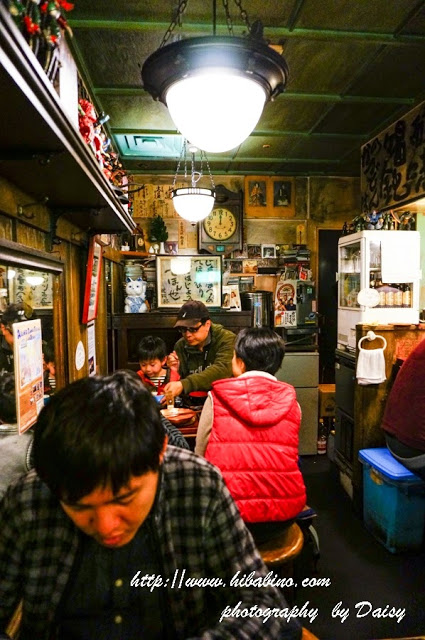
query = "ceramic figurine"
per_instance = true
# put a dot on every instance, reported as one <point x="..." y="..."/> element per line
<point x="136" y="296"/>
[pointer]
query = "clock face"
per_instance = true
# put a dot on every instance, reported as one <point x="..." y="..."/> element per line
<point x="220" y="224"/>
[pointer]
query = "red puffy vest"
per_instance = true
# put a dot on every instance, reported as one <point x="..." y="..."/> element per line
<point x="254" y="442"/>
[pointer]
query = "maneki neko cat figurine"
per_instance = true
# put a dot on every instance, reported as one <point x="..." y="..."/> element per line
<point x="136" y="295"/>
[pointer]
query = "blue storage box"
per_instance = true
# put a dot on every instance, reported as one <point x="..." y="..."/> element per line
<point x="393" y="501"/>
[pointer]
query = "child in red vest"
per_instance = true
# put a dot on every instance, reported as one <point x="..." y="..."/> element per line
<point x="152" y="356"/>
<point x="249" y="429"/>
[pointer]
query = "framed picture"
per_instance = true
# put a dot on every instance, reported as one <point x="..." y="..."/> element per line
<point x="250" y="266"/>
<point x="231" y="297"/>
<point x="171" y="248"/>
<point x="283" y="195"/>
<point x="91" y="293"/>
<point x="268" y="251"/>
<point x="236" y="266"/>
<point x="256" y="193"/>
<point x="201" y="281"/>
<point x="269" y="197"/>
<point x="254" y="251"/>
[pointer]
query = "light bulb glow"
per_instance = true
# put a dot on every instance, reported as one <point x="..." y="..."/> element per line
<point x="216" y="110"/>
<point x="34" y="280"/>
<point x="180" y="265"/>
<point x="193" y="203"/>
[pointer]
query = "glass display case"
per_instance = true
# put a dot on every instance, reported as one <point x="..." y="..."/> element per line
<point x="384" y="268"/>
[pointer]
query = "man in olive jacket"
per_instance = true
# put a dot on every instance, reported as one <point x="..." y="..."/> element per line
<point x="204" y="353"/>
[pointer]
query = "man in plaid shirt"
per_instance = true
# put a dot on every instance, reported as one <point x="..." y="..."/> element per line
<point x="117" y="537"/>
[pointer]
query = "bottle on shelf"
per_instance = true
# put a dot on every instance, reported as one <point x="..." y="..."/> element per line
<point x="389" y="296"/>
<point x="398" y="296"/>
<point x="322" y="439"/>
<point x="407" y="296"/>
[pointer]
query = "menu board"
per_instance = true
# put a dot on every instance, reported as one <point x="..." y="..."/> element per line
<point x="28" y="359"/>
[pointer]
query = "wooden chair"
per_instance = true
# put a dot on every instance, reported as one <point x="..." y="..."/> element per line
<point x="280" y="552"/>
<point x="307" y="635"/>
<point x="282" y="549"/>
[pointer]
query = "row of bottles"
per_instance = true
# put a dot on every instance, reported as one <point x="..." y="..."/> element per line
<point x="391" y="295"/>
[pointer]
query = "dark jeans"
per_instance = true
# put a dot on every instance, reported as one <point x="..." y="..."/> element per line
<point x="412" y="459"/>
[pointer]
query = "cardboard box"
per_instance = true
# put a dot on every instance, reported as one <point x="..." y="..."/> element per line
<point x="326" y="400"/>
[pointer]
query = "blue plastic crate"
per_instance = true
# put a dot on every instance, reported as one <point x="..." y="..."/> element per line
<point x="393" y="501"/>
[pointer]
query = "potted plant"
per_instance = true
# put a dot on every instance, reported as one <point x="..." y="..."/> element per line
<point x="158" y="232"/>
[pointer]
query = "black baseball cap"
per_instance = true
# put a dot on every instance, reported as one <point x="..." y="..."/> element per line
<point x="191" y="313"/>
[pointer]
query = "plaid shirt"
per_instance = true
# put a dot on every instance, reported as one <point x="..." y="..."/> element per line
<point x="198" y="528"/>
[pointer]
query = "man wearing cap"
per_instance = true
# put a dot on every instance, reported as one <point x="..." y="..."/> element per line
<point x="204" y="352"/>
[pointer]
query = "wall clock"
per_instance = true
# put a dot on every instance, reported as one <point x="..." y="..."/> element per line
<point x="221" y="231"/>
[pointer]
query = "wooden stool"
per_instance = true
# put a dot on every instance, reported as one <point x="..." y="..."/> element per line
<point x="280" y="552"/>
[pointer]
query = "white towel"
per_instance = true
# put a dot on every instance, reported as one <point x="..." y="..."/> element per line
<point x="370" y="366"/>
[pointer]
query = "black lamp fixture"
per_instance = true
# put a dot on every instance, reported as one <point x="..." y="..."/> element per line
<point x="215" y="87"/>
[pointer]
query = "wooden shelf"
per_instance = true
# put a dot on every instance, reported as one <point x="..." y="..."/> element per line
<point x="137" y="254"/>
<point x="42" y="152"/>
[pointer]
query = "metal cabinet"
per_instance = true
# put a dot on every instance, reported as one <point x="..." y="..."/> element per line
<point x="301" y="369"/>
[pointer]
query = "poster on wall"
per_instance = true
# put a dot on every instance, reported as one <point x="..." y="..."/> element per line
<point x="28" y="359"/>
<point x="199" y="279"/>
<point x="91" y="348"/>
<point x="285" y="305"/>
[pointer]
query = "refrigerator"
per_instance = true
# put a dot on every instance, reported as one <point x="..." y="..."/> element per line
<point x="384" y="268"/>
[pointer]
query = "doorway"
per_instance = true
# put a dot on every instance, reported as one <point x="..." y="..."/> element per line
<point x="327" y="303"/>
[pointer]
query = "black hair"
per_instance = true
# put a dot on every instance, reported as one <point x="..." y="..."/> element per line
<point x="48" y="352"/>
<point x="150" y="348"/>
<point x="97" y="432"/>
<point x="13" y="313"/>
<point x="7" y="398"/>
<point x="260" y="349"/>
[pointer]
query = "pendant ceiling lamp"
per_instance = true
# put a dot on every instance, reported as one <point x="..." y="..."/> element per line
<point x="215" y="87"/>
<point x="193" y="203"/>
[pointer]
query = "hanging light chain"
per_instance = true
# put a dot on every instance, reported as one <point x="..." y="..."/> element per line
<point x="182" y="155"/>
<point x="176" y="20"/>
<point x="203" y="154"/>
<point x="243" y="14"/>
<point x="228" y="17"/>
<point x="181" y="8"/>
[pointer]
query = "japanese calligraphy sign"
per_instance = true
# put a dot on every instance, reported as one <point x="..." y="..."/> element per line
<point x="201" y="280"/>
<point x="393" y="164"/>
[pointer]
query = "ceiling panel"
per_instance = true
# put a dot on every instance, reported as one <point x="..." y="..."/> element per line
<point x="354" y="68"/>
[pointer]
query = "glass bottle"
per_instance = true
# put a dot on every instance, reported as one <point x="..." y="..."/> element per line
<point x="321" y="437"/>
<point x="389" y="296"/>
<point x="398" y="296"/>
<point x="407" y="296"/>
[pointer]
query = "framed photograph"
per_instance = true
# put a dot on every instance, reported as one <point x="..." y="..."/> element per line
<point x="231" y="297"/>
<point x="250" y="266"/>
<point x="201" y="281"/>
<point x="236" y="266"/>
<point x="171" y="248"/>
<point x="268" y="251"/>
<point x="283" y="195"/>
<point x="91" y="294"/>
<point x="269" y="197"/>
<point x="255" y="193"/>
<point x="254" y="251"/>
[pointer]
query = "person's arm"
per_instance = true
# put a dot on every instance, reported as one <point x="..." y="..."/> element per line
<point x="220" y="368"/>
<point x="204" y="427"/>
<point x="175" y="437"/>
<point x="229" y="549"/>
<point x="11" y="561"/>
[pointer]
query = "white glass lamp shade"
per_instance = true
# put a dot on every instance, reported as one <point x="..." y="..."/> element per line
<point x="216" y="110"/>
<point x="215" y="87"/>
<point x="193" y="203"/>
